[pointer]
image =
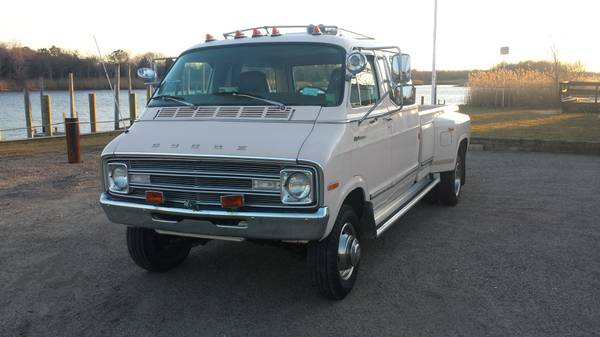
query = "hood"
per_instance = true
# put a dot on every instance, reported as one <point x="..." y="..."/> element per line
<point x="235" y="138"/>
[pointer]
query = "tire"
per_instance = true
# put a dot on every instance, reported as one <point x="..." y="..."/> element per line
<point x="155" y="252"/>
<point x="450" y="187"/>
<point x="334" y="261"/>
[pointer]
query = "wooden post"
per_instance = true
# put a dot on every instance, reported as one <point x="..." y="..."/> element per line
<point x="117" y="93"/>
<point x="72" y="96"/>
<point x="72" y="137"/>
<point x="129" y="87"/>
<point x="92" y="104"/>
<point x="47" y="115"/>
<point x="28" y="120"/>
<point x="132" y="108"/>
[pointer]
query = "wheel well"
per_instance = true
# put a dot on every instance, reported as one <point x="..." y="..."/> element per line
<point x="462" y="147"/>
<point x="356" y="200"/>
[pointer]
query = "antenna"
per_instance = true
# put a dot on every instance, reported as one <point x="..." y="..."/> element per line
<point x="116" y="103"/>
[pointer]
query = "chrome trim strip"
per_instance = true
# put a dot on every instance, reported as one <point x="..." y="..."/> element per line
<point x="210" y="237"/>
<point x="394" y="184"/>
<point x="320" y="213"/>
<point x="386" y="225"/>
<point x="427" y="162"/>
<point x="205" y="174"/>
<point x="175" y="188"/>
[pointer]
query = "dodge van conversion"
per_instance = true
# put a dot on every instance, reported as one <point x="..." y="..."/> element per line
<point x="304" y="135"/>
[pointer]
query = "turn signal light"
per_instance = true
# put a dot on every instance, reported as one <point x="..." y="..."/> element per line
<point x="232" y="201"/>
<point x="275" y="32"/>
<point x="256" y="33"/>
<point x="154" y="197"/>
<point x="209" y="38"/>
<point x="239" y="35"/>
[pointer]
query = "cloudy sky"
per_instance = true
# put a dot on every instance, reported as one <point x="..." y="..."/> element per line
<point x="470" y="34"/>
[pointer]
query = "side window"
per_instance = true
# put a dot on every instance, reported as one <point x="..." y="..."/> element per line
<point x="196" y="79"/>
<point x="364" y="89"/>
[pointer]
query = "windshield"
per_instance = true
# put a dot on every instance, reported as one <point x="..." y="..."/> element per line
<point x="287" y="73"/>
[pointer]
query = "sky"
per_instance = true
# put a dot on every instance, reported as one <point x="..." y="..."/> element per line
<point x="470" y="32"/>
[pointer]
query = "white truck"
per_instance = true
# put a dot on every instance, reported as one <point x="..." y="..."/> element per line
<point x="310" y="137"/>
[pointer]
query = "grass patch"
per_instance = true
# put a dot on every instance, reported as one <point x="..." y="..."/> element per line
<point x="534" y="124"/>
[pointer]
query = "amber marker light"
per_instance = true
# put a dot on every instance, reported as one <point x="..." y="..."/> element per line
<point x="333" y="186"/>
<point x="155" y="197"/>
<point x="275" y="32"/>
<point x="209" y="38"/>
<point x="232" y="201"/>
<point x="256" y="33"/>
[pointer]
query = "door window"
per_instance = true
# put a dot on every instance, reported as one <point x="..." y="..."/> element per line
<point x="364" y="90"/>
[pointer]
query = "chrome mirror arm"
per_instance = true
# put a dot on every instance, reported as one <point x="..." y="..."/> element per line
<point x="378" y="103"/>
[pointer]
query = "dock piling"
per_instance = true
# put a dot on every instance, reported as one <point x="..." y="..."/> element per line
<point x="92" y="104"/>
<point x="47" y="115"/>
<point x="117" y="94"/>
<point x="28" y="119"/>
<point x="73" y="141"/>
<point x="132" y="108"/>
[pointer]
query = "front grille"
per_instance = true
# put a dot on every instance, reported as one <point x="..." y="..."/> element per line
<point x="203" y="182"/>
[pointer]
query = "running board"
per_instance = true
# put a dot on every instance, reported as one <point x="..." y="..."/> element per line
<point x="401" y="211"/>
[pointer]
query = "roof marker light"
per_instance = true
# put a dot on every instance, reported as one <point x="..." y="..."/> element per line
<point x="275" y="32"/>
<point x="209" y="38"/>
<point x="256" y="33"/>
<point x="239" y="35"/>
<point x="315" y="30"/>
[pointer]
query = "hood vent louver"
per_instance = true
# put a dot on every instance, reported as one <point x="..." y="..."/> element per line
<point x="224" y="112"/>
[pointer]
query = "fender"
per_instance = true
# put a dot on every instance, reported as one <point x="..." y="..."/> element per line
<point x="336" y="199"/>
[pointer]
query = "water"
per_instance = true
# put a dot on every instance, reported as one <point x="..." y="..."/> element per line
<point x="12" y="113"/>
<point x="12" y="110"/>
<point x="450" y="94"/>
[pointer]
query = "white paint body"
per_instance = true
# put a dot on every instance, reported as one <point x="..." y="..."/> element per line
<point x="383" y="156"/>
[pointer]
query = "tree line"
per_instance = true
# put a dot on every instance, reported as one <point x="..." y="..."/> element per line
<point x="23" y="66"/>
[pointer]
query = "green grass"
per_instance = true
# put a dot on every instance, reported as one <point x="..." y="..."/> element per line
<point x="534" y="124"/>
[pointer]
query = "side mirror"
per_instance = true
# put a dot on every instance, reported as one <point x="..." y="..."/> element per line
<point x="356" y="62"/>
<point x="146" y="74"/>
<point x="401" y="69"/>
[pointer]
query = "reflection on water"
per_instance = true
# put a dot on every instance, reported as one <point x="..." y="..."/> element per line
<point x="12" y="112"/>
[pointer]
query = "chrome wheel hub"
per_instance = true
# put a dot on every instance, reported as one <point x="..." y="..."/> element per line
<point x="348" y="251"/>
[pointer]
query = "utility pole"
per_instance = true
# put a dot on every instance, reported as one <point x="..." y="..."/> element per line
<point x="433" y="71"/>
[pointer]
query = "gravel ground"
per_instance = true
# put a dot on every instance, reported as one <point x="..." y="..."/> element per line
<point x="519" y="256"/>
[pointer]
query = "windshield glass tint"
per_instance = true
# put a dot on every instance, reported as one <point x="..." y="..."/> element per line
<point x="292" y="74"/>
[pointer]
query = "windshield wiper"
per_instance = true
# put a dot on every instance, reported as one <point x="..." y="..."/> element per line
<point x="176" y="99"/>
<point x="246" y="95"/>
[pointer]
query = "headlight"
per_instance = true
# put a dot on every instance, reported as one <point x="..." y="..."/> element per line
<point x="118" y="181"/>
<point x="297" y="187"/>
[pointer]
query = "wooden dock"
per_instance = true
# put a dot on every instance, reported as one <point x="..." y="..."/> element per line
<point x="580" y="96"/>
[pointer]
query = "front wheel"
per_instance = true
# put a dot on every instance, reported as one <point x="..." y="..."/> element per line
<point x="155" y="252"/>
<point x="334" y="261"/>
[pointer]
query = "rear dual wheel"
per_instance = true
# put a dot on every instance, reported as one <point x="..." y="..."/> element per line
<point x="448" y="191"/>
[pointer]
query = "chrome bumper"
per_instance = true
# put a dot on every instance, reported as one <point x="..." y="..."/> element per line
<point x="251" y="225"/>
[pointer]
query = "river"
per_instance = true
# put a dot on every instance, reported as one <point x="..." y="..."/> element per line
<point x="12" y="113"/>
